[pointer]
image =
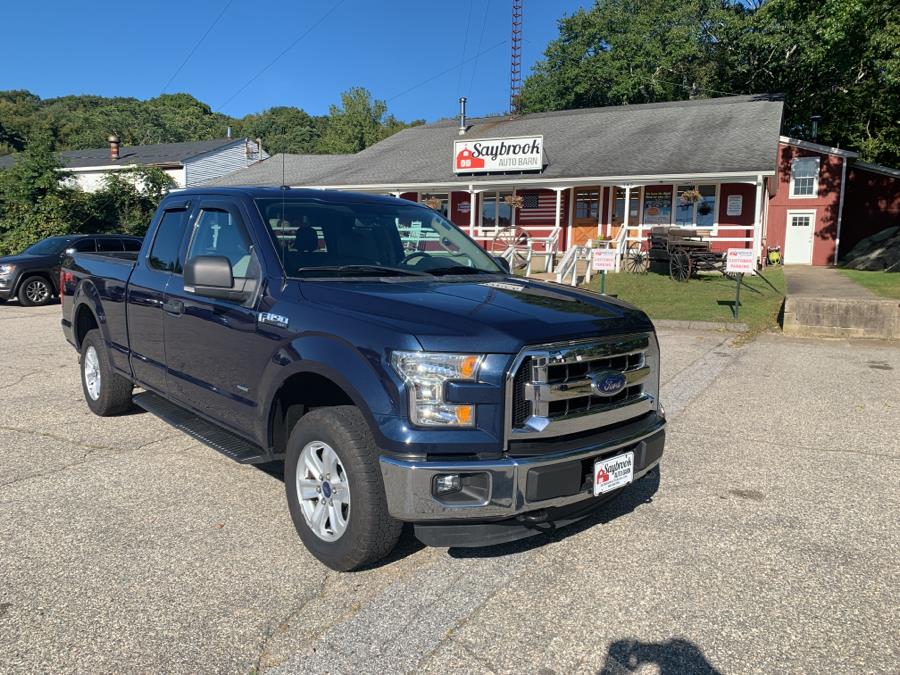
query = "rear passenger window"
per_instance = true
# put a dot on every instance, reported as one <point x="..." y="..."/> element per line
<point x="167" y="243"/>
<point x="83" y="245"/>
<point x="132" y="245"/>
<point x="104" y="245"/>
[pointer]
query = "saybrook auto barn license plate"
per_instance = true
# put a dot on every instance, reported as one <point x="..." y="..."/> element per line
<point x="613" y="473"/>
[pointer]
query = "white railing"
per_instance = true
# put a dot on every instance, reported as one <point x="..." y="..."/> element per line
<point x="568" y="266"/>
<point x="551" y="249"/>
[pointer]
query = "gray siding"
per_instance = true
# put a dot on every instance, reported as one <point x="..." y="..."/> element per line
<point x="221" y="162"/>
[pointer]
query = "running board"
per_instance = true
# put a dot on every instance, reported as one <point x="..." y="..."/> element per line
<point x="232" y="446"/>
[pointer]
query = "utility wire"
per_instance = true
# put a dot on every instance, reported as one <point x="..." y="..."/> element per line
<point x="465" y="46"/>
<point x="487" y="5"/>
<point x="202" y="38"/>
<point x="285" y="51"/>
<point x="448" y="70"/>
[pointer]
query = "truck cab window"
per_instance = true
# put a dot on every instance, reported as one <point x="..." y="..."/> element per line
<point x="217" y="232"/>
<point x="166" y="245"/>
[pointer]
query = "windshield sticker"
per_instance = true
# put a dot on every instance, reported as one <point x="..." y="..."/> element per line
<point x="505" y="286"/>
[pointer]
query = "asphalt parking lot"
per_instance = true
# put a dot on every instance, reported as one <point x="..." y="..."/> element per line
<point x="768" y="541"/>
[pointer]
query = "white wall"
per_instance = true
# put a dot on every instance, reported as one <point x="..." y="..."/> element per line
<point x="91" y="180"/>
<point x="221" y="162"/>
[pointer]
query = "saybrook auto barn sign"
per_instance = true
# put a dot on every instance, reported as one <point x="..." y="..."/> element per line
<point x="494" y="155"/>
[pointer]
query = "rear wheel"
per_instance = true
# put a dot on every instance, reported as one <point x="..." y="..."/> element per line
<point x="679" y="265"/>
<point x="106" y="392"/>
<point x="335" y="491"/>
<point x="637" y="260"/>
<point x="35" y="291"/>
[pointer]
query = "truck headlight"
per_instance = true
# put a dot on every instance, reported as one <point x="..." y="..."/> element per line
<point x="6" y="270"/>
<point x="425" y="374"/>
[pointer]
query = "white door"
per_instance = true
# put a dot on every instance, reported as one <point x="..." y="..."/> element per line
<point x="798" y="237"/>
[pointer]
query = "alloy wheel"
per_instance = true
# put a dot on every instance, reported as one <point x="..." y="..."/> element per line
<point x="323" y="491"/>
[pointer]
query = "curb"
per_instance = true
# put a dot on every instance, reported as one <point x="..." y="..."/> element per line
<point x="728" y="326"/>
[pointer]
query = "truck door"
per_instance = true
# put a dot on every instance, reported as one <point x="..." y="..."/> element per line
<point x="146" y="298"/>
<point x="214" y="353"/>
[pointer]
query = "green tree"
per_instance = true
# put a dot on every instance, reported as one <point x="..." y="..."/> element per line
<point x="35" y="202"/>
<point x="282" y="129"/>
<point x="127" y="201"/>
<point x="357" y="123"/>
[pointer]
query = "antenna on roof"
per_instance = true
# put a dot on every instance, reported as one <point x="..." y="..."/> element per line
<point x="515" y="64"/>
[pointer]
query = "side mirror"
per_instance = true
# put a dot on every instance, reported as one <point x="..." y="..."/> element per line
<point x="503" y="262"/>
<point x="210" y="275"/>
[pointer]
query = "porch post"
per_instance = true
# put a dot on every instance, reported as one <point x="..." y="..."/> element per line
<point x="472" y="194"/>
<point x="559" y="192"/>
<point x="757" y="218"/>
<point x="627" y="221"/>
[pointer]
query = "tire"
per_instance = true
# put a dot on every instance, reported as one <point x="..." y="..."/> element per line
<point x="106" y="392"/>
<point x="349" y="536"/>
<point x="35" y="291"/>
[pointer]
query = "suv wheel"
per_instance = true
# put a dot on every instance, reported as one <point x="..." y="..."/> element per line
<point x="106" y="392"/>
<point x="335" y="491"/>
<point x="35" y="291"/>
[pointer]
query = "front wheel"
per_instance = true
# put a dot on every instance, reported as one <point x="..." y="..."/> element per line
<point x="335" y="491"/>
<point x="35" y="291"/>
<point x="106" y="392"/>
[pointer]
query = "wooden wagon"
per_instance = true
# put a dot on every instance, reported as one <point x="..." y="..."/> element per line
<point x="684" y="250"/>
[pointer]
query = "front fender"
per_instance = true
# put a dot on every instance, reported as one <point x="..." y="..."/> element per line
<point x="364" y="376"/>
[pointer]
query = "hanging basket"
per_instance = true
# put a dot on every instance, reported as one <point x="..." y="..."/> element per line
<point x="704" y="209"/>
<point x="514" y="201"/>
<point x="432" y="203"/>
<point x="691" y="196"/>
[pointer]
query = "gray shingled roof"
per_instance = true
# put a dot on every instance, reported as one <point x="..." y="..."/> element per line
<point x="269" y="171"/>
<point x="735" y="134"/>
<point x="142" y="155"/>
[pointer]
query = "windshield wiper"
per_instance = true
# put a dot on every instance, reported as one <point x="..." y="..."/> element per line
<point x="377" y="270"/>
<point x="459" y="269"/>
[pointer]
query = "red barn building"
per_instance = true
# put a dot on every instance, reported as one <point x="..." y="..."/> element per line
<point x="568" y="178"/>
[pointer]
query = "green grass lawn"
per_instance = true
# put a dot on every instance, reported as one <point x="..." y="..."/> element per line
<point x="708" y="297"/>
<point x="886" y="284"/>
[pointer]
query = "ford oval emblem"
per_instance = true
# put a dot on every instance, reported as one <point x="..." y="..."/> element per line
<point x="607" y="384"/>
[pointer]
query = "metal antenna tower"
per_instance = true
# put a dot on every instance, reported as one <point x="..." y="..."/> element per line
<point x="515" y="64"/>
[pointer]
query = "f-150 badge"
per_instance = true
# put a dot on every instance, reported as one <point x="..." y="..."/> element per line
<point x="273" y="319"/>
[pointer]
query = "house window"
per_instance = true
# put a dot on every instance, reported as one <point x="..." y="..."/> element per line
<point x="495" y="212"/>
<point x="695" y="206"/>
<point x="619" y="207"/>
<point x="805" y="177"/>
<point x="587" y="204"/>
<point x="431" y="200"/>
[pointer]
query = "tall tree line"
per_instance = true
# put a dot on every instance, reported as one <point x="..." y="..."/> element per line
<point x="77" y="122"/>
<point x="839" y="59"/>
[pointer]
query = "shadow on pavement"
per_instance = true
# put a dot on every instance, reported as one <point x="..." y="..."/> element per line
<point x="671" y="657"/>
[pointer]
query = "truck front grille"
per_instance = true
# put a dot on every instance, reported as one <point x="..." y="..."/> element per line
<point x="556" y="389"/>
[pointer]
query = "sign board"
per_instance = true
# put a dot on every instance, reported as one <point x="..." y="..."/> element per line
<point x="495" y="155"/>
<point x="464" y="207"/>
<point x="740" y="261"/>
<point x="734" y="205"/>
<point x="657" y="206"/>
<point x="604" y="260"/>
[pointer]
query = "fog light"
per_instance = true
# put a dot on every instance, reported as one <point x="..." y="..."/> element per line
<point x="447" y="483"/>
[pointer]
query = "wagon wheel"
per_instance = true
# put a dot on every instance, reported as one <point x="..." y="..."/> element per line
<point x="679" y="265"/>
<point x="637" y="261"/>
<point x="514" y="238"/>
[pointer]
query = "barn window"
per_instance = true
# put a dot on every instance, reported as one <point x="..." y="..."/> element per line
<point x="805" y="177"/>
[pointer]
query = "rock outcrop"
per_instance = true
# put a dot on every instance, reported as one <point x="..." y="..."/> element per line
<point x="881" y="251"/>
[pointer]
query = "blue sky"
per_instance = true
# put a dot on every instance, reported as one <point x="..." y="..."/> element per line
<point x="133" y="48"/>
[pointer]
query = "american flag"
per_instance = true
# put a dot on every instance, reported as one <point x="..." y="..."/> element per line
<point x="538" y="207"/>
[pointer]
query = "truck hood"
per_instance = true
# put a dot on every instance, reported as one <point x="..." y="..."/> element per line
<point x="491" y="316"/>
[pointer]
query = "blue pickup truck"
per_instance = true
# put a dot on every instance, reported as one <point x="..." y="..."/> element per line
<point x="400" y="372"/>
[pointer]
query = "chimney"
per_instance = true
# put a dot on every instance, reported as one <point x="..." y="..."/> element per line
<point x="228" y="133"/>
<point x="113" y="147"/>
<point x="462" y="115"/>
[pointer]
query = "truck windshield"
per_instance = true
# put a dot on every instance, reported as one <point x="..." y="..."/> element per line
<point x="318" y="239"/>
<point x="48" y="246"/>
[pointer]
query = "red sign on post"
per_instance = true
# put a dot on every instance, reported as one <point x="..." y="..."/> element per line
<point x="740" y="261"/>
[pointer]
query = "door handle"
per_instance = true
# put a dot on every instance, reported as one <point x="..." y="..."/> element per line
<point x="175" y="307"/>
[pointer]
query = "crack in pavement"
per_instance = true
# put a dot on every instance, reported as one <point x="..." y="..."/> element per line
<point x="19" y="381"/>
<point x="89" y="455"/>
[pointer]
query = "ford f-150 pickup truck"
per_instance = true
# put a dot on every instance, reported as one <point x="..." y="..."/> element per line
<point x="400" y="372"/>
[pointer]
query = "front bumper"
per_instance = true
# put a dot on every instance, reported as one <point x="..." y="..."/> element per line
<point x="513" y="486"/>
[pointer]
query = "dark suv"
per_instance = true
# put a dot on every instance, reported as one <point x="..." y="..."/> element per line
<point x="33" y="274"/>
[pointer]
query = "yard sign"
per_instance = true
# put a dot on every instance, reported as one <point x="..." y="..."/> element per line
<point x="740" y="261"/>
<point x="604" y="260"/>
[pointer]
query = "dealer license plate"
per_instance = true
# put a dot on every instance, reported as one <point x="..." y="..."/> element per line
<point x="613" y="472"/>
